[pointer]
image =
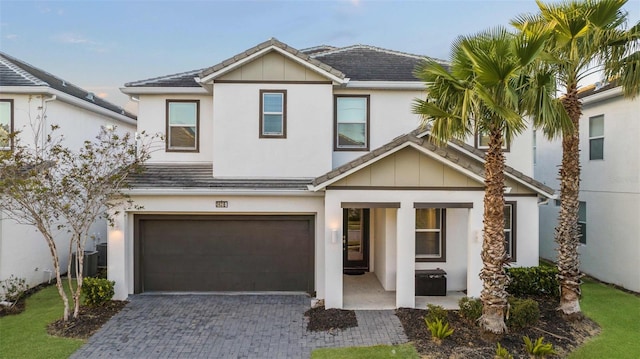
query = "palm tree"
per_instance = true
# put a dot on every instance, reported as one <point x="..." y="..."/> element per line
<point x="487" y="89"/>
<point x="584" y="35"/>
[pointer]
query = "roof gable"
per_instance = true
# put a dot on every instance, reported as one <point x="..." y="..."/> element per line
<point x="17" y="73"/>
<point x="456" y="155"/>
<point x="266" y="47"/>
<point x="272" y="66"/>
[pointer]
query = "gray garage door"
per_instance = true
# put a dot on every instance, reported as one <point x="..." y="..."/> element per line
<point x="223" y="253"/>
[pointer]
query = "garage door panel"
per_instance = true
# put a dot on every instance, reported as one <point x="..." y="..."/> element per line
<point x="224" y="253"/>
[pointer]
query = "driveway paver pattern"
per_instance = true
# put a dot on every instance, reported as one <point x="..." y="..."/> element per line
<point x="228" y="326"/>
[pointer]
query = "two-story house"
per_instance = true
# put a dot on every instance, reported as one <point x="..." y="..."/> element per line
<point x="31" y="100"/>
<point x="285" y="168"/>
<point x="609" y="212"/>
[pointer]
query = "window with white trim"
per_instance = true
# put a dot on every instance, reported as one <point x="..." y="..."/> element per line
<point x="183" y="125"/>
<point x="482" y="141"/>
<point x="582" y="222"/>
<point x="273" y="113"/>
<point x="430" y="235"/>
<point x="596" y="137"/>
<point x="6" y="124"/>
<point x="351" y="123"/>
<point x="510" y="230"/>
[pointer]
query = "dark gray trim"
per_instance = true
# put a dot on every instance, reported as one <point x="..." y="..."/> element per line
<point x="443" y="234"/>
<point x="272" y="82"/>
<point x="284" y="114"/>
<point x="419" y="205"/>
<point x="11" y="124"/>
<point x="367" y="124"/>
<point x="166" y="141"/>
<point x="405" y="188"/>
<point x="370" y="205"/>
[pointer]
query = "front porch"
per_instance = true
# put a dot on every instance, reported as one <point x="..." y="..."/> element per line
<point x="364" y="292"/>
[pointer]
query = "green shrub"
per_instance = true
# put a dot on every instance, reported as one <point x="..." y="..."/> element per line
<point x="533" y="281"/>
<point x="439" y="329"/>
<point x="470" y="308"/>
<point x="522" y="313"/>
<point x="538" y="349"/>
<point x="13" y="289"/>
<point x="435" y="312"/>
<point x="502" y="353"/>
<point x="97" y="291"/>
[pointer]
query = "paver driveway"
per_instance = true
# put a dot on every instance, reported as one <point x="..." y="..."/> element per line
<point x="228" y="326"/>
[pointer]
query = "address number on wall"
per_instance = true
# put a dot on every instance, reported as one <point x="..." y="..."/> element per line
<point x="222" y="204"/>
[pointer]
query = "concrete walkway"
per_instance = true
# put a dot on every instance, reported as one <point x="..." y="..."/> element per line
<point x="228" y="326"/>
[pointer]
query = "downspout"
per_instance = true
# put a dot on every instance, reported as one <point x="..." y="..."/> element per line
<point x="44" y="117"/>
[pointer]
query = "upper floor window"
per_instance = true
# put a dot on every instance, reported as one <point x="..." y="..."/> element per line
<point x="582" y="221"/>
<point x="430" y="235"/>
<point x="510" y="230"/>
<point x="273" y="113"/>
<point x="351" y="123"/>
<point x="183" y="122"/>
<point x="596" y="137"/>
<point x="482" y="141"/>
<point x="6" y="124"/>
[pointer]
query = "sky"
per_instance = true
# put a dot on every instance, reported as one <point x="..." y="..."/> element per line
<point x="101" y="45"/>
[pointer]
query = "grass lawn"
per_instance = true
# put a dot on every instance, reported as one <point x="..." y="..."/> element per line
<point x="618" y="314"/>
<point x="404" y="351"/>
<point x="25" y="335"/>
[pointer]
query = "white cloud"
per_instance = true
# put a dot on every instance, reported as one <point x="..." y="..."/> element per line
<point x="11" y="36"/>
<point x="71" y="38"/>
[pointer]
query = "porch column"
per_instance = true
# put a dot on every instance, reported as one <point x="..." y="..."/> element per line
<point x="474" y="248"/>
<point x="116" y="256"/>
<point x="406" y="254"/>
<point x="332" y="251"/>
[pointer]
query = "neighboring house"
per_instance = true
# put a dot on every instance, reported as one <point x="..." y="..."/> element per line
<point x="609" y="213"/>
<point x="32" y="100"/>
<point x="284" y="168"/>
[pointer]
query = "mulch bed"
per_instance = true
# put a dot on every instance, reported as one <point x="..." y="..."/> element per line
<point x="321" y="319"/>
<point x="466" y="341"/>
<point x="89" y="321"/>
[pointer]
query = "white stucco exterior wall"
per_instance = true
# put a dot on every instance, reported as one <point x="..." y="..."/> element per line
<point x="390" y="117"/>
<point x="23" y="251"/>
<point x="610" y="188"/>
<point x="121" y="251"/>
<point x="238" y="150"/>
<point x="152" y="118"/>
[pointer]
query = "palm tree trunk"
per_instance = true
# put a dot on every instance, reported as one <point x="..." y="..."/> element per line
<point x="567" y="229"/>
<point x="494" y="278"/>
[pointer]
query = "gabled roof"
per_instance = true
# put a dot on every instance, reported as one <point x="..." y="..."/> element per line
<point x="355" y="63"/>
<point x="200" y="176"/>
<point x="17" y="73"/>
<point x="369" y="63"/>
<point x="269" y="45"/>
<point x="455" y="152"/>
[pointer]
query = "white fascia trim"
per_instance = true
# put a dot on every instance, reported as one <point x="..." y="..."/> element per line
<point x="605" y="95"/>
<point x="507" y="174"/>
<point x="163" y="90"/>
<point x="64" y="97"/>
<point x="255" y="55"/>
<point x="387" y="85"/>
<point x="213" y="192"/>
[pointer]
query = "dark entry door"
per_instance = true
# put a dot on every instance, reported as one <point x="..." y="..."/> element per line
<point x="355" y="229"/>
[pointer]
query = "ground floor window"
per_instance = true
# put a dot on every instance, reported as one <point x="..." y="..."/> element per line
<point x="430" y="235"/>
<point x="510" y="230"/>
<point x="582" y="222"/>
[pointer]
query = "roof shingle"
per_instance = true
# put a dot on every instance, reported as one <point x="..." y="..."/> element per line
<point x="14" y="72"/>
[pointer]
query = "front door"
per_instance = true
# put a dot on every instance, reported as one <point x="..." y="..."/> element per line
<point x="355" y="229"/>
